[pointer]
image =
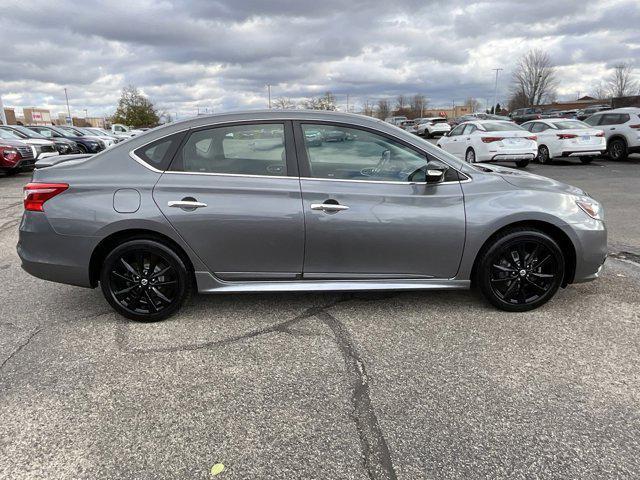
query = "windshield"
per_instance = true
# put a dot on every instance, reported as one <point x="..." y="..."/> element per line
<point x="28" y="133"/>
<point x="7" y="135"/>
<point x="18" y="134"/>
<point x="569" y="124"/>
<point x="71" y="131"/>
<point x="500" y="126"/>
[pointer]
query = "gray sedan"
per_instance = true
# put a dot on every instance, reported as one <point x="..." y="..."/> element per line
<point x="195" y="206"/>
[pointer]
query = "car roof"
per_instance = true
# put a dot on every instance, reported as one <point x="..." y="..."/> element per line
<point x="623" y="110"/>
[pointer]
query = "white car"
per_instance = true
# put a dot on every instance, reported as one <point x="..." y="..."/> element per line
<point x="621" y="128"/>
<point x="397" y="120"/>
<point x="40" y="148"/>
<point x="408" y="125"/>
<point x="562" y="137"/>
<point x="108" y="139"/>
<point x="490" y="141"/>
<point x="432" y="126"/>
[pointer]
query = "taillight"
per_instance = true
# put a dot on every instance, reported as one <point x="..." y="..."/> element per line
<point x="538" y="117"/>
<point x="532" y="137"/>
<point x="35" y="194"/>
<point x="565" y="136"/>
<point x="492" y="139"/>
<point x="635" y="126"/>
<point x="600" y="134"/>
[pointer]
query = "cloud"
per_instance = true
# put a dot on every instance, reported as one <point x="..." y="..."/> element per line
<point x="220" y="54"/>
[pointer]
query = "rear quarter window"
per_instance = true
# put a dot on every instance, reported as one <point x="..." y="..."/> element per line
<point x="158" y="154"/>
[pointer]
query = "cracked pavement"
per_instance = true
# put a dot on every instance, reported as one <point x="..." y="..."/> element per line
<point x="329" y="385"/>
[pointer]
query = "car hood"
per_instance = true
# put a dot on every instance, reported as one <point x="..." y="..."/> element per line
<point x="526" y="180"/>
<point x="12" y="143"/>
<point x="37" y="141"/>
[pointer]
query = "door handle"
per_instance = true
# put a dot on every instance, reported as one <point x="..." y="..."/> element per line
<point x="186" y="204"/>
<point x="328" y="207"/>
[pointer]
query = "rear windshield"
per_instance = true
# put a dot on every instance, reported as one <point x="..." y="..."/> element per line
<point x="569" y="124"/>
<point x="500" y="126"/>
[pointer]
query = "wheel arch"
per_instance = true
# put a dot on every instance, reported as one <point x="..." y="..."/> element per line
<point x="555" y="232"/>
<point x="617" y="136"/>
<point x="108" y="243"/>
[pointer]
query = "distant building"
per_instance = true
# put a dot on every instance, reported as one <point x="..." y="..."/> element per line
<point x="10" y="114"/>
<point x="36" y="116"/>
<point x="632" y="101"/>
<point x="580" y="103"/>
<point x="457" y="111"/>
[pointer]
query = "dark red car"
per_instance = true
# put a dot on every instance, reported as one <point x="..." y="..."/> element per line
<point x="15" y="157"/>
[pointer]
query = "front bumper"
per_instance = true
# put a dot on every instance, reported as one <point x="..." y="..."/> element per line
<point x="590" y="242"/>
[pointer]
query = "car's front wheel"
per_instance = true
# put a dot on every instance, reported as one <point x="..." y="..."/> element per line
<point x="617" y="149"/>
<point x="520" y="269"/>
<point x="145" y="280"/>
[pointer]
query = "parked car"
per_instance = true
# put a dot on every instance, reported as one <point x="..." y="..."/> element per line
<point x="41" y="148"/>
<point x="101" y="132"/>
<point x="63" y="145"/>
<point x="408" y="125"/>
<point x="15" y="156"/>
<point x="190" y="207"/>
<point x="522" y="115"/>
<point x="587" y="112"/>
<point x="432" y="126"/>
<point x="122" y="131"/>
<point x="334" y="135"/>
<point x="621" y="128"/>
<point x="85" y="144"/>
<point x="313" y="138"/>
<point x="570" y="114"/>
<point x="559" y="137"/>
<point x="80" y="132"/>
<point x="395" y="120"/>
<point x="490" y="141"/>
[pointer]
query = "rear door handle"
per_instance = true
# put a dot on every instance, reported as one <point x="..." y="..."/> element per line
<point x="328" y="207"/>
<point x="186" y="204"/>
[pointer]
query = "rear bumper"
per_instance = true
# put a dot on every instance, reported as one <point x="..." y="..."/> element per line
<point x="512" y="157"/>
<point x="582" y="153"/>
<point x="48" y="255"/>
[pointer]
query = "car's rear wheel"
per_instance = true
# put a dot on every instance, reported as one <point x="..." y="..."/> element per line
<point x="586" y="160"/>
<point x="544" y="156"/>
<point x="470" y="156"/>
<point x="522" y="163"/>
<point x="520" y="270"/>
<point x="617" y="149"/>
<point x="145" y="280"/>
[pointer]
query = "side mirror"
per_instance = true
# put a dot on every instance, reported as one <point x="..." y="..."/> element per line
<point x="428" y="175"/>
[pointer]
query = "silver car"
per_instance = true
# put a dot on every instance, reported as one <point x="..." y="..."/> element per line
<point x="242" y="203"/>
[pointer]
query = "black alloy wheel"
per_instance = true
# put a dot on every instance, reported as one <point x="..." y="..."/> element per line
<point x="144" y="280"/>
<point x="543" y="155"/>
<point x="617" y="149"/>
<point x="522" y="270"/>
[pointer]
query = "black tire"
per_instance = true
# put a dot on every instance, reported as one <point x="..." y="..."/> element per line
<point x="427" y="134"/>
<point x="145" y="280"/>
<point x="470" y="156"/>
<point x="544" y="157"/>
<point x="500" y="267"/>
<point x="617" y="149"/>
<point x="586" y="160"/>
<point x="522" y="163"/>
<point x="82" y="148"/>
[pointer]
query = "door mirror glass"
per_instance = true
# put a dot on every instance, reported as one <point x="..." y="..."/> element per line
<point x="428" y="174"/>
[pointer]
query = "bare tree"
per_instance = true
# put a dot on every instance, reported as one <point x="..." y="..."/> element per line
<point x="367" y="108"/>
<point x="418" y="104"/>
<point x="326" y="102"/>
<point x="283" y="103"/>
<point x="517" y="100"/>
<point x="534" y="78"/>
<point x="621" y="82"/>
<point x="401" y="102"/>
<point x="599" y="91"/>
<point x="384" y="108"/>
<point x="472" y="103"/>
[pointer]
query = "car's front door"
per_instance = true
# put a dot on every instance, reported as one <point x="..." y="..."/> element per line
<point x="366" y="218"/>
<point x="232" y="192"/>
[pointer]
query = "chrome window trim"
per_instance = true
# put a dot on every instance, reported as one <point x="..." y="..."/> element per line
<point x="285" y="119"/>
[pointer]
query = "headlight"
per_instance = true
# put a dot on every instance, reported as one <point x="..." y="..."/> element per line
<point x="591" y="208"/>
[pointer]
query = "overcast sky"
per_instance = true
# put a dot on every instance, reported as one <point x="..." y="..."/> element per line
<point x="220" y="54"/>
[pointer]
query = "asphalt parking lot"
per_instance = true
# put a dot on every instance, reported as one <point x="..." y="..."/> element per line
<point x="328" y="386"/>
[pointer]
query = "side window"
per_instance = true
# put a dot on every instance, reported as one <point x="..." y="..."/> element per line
<point x="457" y="131"/>
<point x="469" y="129"/>
<point x="537" y="127"/>
<point x="614" y="119"/>
<point x="250" y="149"/>
<point x="593" y="120"/>
<point x="343" y="153"/>
<point x="158" y="154"/>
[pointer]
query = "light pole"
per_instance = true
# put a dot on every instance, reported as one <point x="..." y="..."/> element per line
<point x="269" y="92"/>
<point x="68" y="109"/>
<point x="495" y="91"/>
<point x="3" y="117"/>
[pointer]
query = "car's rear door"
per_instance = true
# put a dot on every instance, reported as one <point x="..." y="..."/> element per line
<point x="364" y="216"/>
<point x="233" y="193"/>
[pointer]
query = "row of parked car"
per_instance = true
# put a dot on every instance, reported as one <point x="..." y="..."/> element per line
<point x="490" y="138"/>
<point x="21" y="146"/>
